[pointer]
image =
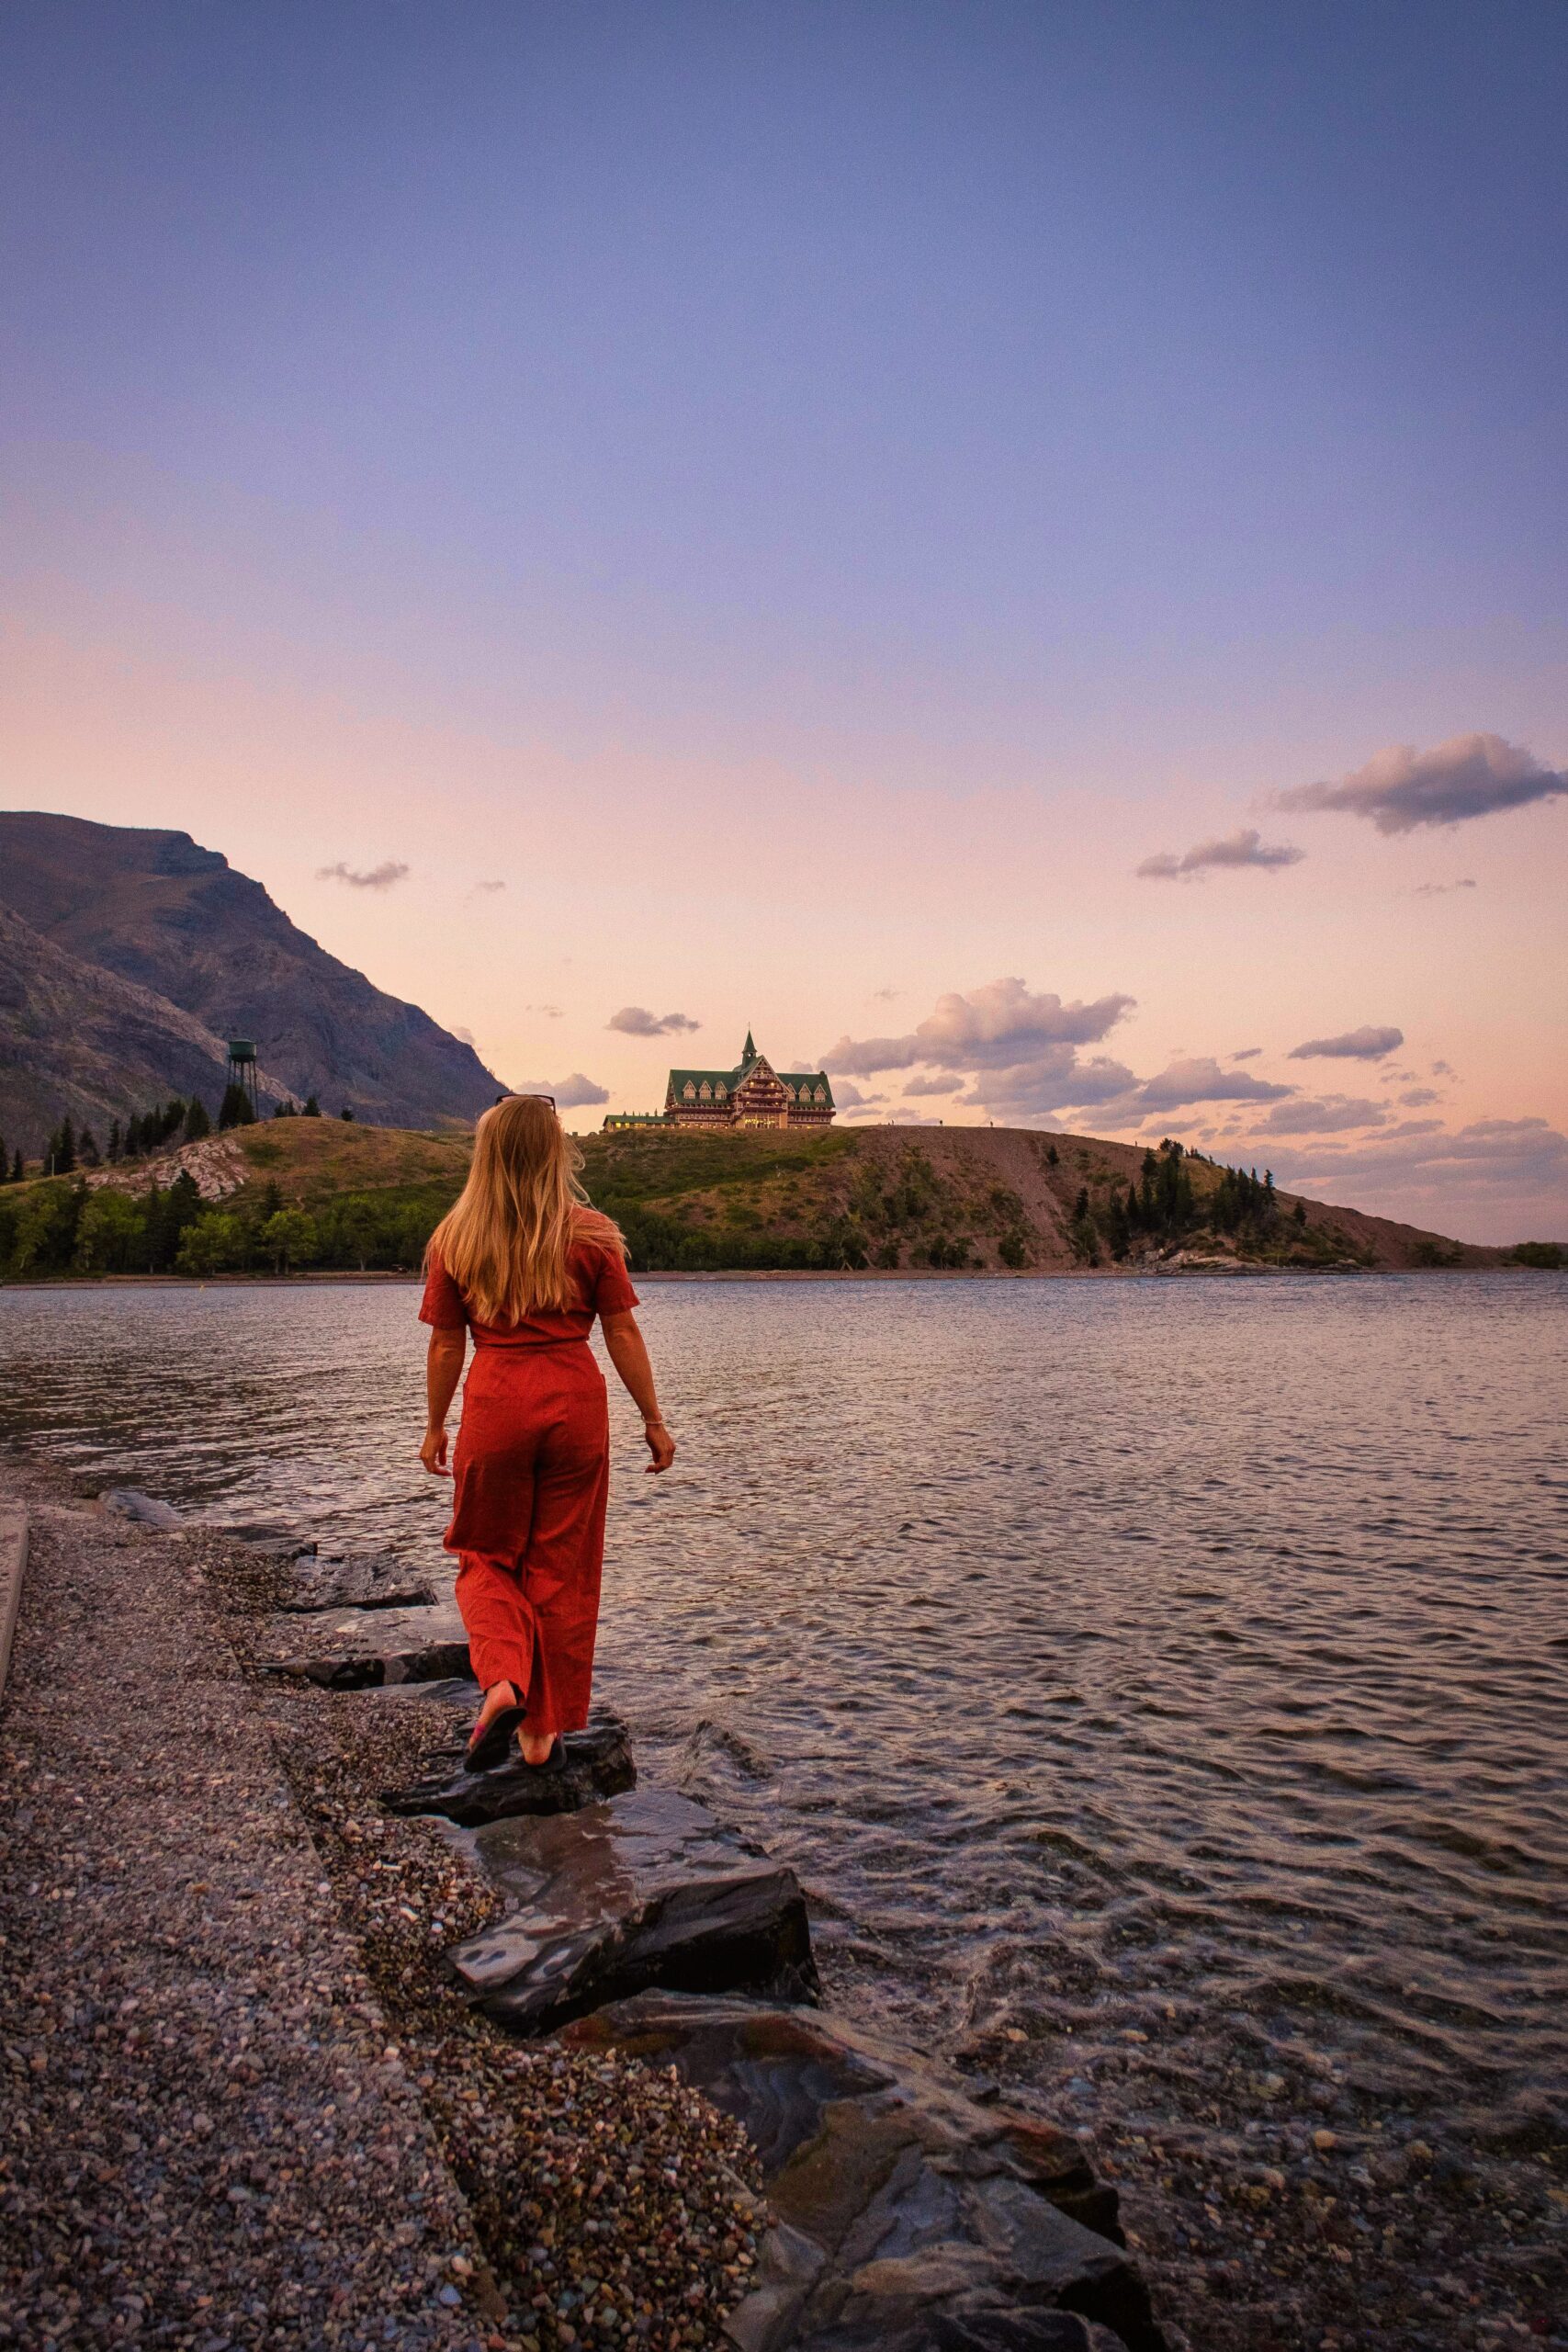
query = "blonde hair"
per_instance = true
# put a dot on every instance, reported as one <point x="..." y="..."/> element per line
<point x="505" y="1238"/>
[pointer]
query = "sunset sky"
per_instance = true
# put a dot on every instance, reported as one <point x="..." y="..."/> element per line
<point x="1019" y="550"/>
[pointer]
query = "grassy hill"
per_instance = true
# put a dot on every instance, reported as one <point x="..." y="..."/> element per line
<point x="294" y="1193"/>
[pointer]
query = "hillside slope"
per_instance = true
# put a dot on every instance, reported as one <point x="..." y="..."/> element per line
<point x="160" y="911"/>
<point x="77" y="1040"/>
<point x="317" y="1192"/>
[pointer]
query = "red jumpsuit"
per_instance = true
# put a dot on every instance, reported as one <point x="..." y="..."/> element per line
<point x="531" y="1472"/>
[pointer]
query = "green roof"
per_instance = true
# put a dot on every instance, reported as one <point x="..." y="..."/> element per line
<point x="730" y="1079"/>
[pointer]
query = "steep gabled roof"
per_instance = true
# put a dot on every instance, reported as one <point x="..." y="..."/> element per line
<point x="730" y="1079"/>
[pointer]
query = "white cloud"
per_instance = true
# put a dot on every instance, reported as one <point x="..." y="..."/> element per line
<point x="1245" y="847"/>
<point x="635" y="1020"/>
<point x="1470" y="775"/>
<point x="375" y="877"/>
<point x="1365" y="1044"/>
<point x="1332" y="1114"/>
<point x="994" y="1027"/>
<point x="571" y="1093"/>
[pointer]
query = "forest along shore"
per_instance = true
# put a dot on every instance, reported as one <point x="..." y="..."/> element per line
<point x="243" y="2106"/>
<point x="289" y="1196"/>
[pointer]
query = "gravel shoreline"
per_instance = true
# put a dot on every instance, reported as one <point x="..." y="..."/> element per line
<point x="244" y="2104"/>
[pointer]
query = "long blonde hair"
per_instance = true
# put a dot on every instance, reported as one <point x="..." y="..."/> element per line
<point x="505" y="1238"/>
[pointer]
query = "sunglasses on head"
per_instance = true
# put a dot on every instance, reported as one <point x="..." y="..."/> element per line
<point x="527" y="1098"/>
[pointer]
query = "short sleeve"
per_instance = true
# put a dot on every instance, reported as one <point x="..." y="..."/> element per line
<point x="612" y="1292"/>
<point x="442" y="1302"/>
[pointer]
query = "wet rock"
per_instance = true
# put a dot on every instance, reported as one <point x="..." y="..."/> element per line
<point x="646" y="1890"/>
<point x="365" y="1580"/>
<point x="593" y="1765"/>
<point x="911" y="2219"/>
<point x="367" y="1671"/>
<point x="270" y="1538"/>
<point x="130" y="1502"/>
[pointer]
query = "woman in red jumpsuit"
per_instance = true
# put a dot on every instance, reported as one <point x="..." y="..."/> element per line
<point x="525" y="1263"/>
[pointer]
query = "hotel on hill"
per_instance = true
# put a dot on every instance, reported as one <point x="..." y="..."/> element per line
<point x="752" y="1095"/>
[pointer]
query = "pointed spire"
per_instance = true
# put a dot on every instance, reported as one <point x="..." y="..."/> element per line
<point x="749" y="1051"/>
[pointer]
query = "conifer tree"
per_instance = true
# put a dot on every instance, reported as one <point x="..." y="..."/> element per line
<point x="198" y="1124"/>
<point x="5" y="1163"/>
<point x="65" y="1149"/>
<point x="346" y="1113"/>
<point x="116" y="1143"/>
<point x="19" y="1167"/>
<point x="312" y="1108"/>
<point x="236" y="1109"/>
<point x="87" y="1148"/>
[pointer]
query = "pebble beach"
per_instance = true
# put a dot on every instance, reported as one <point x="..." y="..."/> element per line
<point x="243" y="2105"/>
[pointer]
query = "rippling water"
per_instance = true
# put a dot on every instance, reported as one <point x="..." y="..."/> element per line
<point x="1114" y="1661"/>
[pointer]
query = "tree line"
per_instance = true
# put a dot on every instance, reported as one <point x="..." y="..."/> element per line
<point x="164" y="1126"/>
<point x="78" y="1229"/>
<point x="1163" y="1206"/>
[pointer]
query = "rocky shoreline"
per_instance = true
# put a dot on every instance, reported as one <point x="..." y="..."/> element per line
<point x="583" y="2091"/>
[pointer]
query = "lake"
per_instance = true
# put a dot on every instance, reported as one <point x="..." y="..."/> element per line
<point x="1158" y="1685"/>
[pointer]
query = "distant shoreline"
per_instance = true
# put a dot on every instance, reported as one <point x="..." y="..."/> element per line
<point x="378" y="1278"/>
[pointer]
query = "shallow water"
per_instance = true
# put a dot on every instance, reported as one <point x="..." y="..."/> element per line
<point x="1114" y="1659"/>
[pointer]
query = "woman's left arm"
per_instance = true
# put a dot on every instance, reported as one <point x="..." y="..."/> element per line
<point x="628" y="1351"/>
<point x="442" y="1370"/>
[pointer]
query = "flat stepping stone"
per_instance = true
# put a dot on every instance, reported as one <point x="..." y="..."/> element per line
<point x="368" y="1671"/>
<point x="644" y="1890"/>
<point x="363" y="1581"/>
<point x="593" y="1764"/>
<point x="911" y="2218"/>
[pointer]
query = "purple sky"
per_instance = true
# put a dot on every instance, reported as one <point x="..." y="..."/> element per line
<point x="813" y="499"/>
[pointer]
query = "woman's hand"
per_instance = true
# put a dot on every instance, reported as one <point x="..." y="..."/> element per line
<point x="432" y="1452"/>
<point x="660" y="1444"/>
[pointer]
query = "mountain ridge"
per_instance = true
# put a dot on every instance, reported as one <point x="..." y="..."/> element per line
<point x="153" y="909"/>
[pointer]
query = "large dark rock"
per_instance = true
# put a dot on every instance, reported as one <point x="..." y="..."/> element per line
<point x="592" y="1765"/>
<point x="911" y="2219"/>
<point x="645" y="1890"/>
<point x="361" y="1581"/>
<point x="366" y="1670"/>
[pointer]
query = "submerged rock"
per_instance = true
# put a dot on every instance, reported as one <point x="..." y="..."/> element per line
<point x="911" y="2219"/>
<point x="146" y="1510"/>
<point x="365" y="1580"/>
<point x="592" y="1765"/>
<point x="644" y="1890"/>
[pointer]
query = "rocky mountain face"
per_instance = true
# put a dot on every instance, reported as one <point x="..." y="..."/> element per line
<point x="130" y="955"/>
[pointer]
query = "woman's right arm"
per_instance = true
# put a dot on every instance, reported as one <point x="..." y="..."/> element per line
<point x="628" y="1351"/>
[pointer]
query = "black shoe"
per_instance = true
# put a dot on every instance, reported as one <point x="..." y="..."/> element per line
<point x="490" y="1747"/>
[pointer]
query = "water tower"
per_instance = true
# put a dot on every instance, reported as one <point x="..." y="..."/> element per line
<point x="242" y="1069"/>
